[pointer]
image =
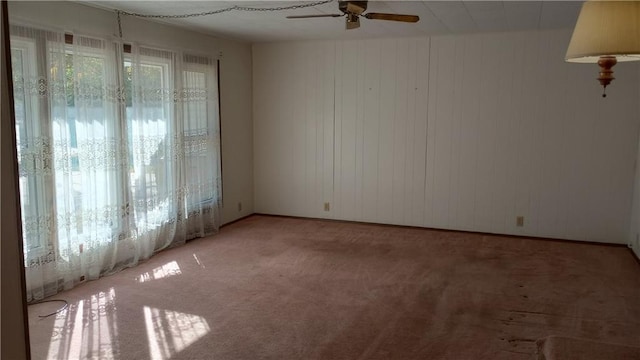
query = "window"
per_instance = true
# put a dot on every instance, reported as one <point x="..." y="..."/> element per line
<point x="84" y="130"/>
<point x="200" y="115"/>
<point x="27" y="111"/>
<point x="148" y="131"/>
<point x="118" y="153"/>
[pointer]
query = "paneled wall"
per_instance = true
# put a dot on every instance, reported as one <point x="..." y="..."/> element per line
<point x="454" y="132"/>
<point x="294" y="138"/>
<point x="634" y="234"/>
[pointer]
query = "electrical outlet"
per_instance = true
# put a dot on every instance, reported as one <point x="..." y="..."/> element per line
<point x="327" y="207"/>
<point x="240" y="206"/>
<point x="520" y="221"/>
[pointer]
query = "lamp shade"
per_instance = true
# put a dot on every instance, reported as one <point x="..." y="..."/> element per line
<point x="606" y="28"/>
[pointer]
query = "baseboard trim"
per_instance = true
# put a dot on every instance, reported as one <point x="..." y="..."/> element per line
<point x="237" y="220"/>
<point x="635" y="256"/>
<point x="539" y="238"/>
<point x="598" y="243"/>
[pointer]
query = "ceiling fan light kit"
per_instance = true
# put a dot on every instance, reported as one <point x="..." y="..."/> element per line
<point x="353" y="10"/>
<point x="607" y="32"/>
<point x="353" y="21"/>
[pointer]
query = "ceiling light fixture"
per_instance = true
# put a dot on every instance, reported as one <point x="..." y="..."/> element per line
<point x="353" y="21"/>
<point x="607" y="32"/>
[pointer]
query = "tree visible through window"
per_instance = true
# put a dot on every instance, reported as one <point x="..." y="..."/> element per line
<point x="118" y="158"/>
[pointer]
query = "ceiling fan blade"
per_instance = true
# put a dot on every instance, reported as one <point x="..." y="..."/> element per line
<point x="393" y="17"/>
<point x="313" y="16"/>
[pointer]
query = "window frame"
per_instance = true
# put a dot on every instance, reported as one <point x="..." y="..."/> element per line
<point x="28" y="47"/>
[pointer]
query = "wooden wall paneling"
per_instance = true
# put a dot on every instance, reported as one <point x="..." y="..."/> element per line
<point x="444" y="98"/>
<point x="553" y="141"/>
<point x="629" y="133"/>
<point x="328" y="119"/>
<point x="371" y="126"/>
<point x="387" y="123"/>
<point x="456" y="124"/>
<point x="316" y="130"/>
<point x="403" y="210"/>
<point x="296" y="135"/>
<point x="465" y="193"/>
<point x="316" y="207"/>
<point x="400" y="125"/>
<point x="282" y="159"/>
<point x="513" y="124"/>
<point x="634" y="233"/>
<point x="310" y="101"/>
<point x="346" y="90"/>
<point x="420" y="132"/>
<point x="503" y="129"/>
<point x="627" y="139"/>
<point x="339" y="205"/>
<point x="618" y="131"/>
<point x="260" y="106"/>
<point x="272" y="154"/>
<point x="460" y="132"/>
<point x="581" y="125"/>
<point x="485" y="167"/>
<point x="528" y="135"/>
<point x="361" y="102"/>
<point x="599" y="176"/>
<point x="434" y="51"/>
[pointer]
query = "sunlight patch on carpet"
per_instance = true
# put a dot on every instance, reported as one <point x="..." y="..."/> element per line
<point x="87" y="329"/>
<point x="198" y="261"/>
<point x="169" y="269"/>
<point x="170" y="332"/>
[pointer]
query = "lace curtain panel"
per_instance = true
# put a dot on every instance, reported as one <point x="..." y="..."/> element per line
<point x="118" y="154"/>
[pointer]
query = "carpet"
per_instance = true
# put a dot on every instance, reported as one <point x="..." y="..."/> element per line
<point x="287" y="288"/>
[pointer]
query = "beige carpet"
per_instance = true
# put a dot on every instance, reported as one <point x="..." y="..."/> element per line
<point x="285" y="288"/>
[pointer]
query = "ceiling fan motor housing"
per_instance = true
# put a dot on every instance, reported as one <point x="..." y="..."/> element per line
<point x="349" y="6"/>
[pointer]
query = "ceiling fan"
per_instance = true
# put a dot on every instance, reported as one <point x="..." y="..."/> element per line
<point x="353" y="10"/>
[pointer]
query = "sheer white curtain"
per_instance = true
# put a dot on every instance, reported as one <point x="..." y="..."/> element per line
<point x="38" y="65"/>
<point x="91" y="163"/>
<point x="118" y="154"/>
<point x="174" y="130"/>
<point x="201" y="141"/>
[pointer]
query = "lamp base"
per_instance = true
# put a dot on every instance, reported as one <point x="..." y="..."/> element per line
<point x="606" y="62"/>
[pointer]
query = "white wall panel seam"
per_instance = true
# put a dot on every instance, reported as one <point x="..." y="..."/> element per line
<point x="379" y="118"/>
<point x="428" y="132"/>
<point x="476" y="163"/>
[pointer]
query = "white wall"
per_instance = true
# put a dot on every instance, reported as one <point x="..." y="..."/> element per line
<point x="454" y="132"/>
<point x="235" y="80"/>
<point x="634" y="234"/>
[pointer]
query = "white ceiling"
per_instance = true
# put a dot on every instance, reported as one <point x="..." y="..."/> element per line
<point x="436" y="18"/>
